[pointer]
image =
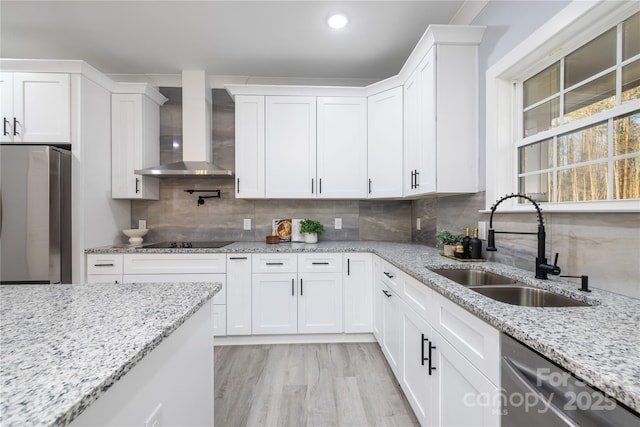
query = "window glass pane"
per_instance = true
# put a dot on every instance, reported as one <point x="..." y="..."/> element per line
<point x="631" y="81"/>
<point x="591" y="98"/>
<point x="583" y="183"/>
<point x="538" y="187"/>
<point x="542" y="117"/>
<point x="627" y="134"/>
<point x="592" y="58"/>
<point x="542" y="85"/>
<point x="626" y="178"/>
<point x="630" y="37"/>
<point x="583" y="146"/>
<point x="535" y="157"/>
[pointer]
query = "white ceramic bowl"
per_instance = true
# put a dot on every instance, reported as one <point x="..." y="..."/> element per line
<point x="135" y="234"/>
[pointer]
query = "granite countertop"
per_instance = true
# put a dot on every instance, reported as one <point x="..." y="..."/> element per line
<point x="62" y="346"/>
<point x="600" y="344"/>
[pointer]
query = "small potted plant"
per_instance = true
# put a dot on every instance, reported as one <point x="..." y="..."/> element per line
<point x="311" y="229"/>
<point x="448" y="241"/>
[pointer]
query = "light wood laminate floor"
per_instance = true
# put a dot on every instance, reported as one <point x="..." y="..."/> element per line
<point x="307" y="385"/>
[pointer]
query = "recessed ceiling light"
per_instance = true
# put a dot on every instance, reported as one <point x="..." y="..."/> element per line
<point x="337" y="21"/>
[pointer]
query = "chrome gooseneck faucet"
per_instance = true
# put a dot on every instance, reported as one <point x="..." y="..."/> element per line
<point x="542" y="268"/>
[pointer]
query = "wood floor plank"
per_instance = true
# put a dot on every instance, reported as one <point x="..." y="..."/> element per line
<point x="307" y="385"/>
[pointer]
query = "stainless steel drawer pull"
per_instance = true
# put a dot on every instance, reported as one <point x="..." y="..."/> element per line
<point x="386" y="293"/>
<point x="103" y="265"/>
<point x="238" y="257"/>
<point x="389" y="275"/>
<point x="275" y="263"/>
<point x="320" y="263"/>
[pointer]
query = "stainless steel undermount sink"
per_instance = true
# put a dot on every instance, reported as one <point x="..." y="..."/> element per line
<point x="527" y="296"/>
<point x="472" y="277"/>
<point x="506" y="289"/>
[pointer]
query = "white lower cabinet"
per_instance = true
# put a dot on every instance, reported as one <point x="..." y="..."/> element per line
<point x="391" y="329"/>
<point x="104" y="268"/>
<point x="357" y="284"/>
<point x="302" y="296"/>
<point x="446" y="359"/>
<point x="274" y="303"/>
<point x="238" y="294"/>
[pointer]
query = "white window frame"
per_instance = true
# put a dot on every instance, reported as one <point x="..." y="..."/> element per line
<point x="572" y="27"/>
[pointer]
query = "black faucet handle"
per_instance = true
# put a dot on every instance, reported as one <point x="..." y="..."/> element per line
<point x="555" y="260"/>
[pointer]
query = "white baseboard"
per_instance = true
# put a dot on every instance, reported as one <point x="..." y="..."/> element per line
<point x="293" y="339"/>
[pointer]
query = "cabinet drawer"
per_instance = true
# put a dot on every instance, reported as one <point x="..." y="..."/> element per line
<point x="319" y="263"/>
<point x="104" y="264"/>
<point x="93" y="279"/>
<point x="418" y="296"/>
<point x="174" y="263"/>
<point x="274" y="263"/>
<point x="476" y="340"/>
<point x="391" y="276"/>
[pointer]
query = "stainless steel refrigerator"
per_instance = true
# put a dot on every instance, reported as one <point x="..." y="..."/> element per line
<point x="35" y="214"/>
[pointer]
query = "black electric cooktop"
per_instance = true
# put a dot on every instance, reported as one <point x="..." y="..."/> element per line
<point x="186" y="245"/>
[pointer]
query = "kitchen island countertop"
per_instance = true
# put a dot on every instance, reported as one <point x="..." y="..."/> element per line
<point x="599" y="344"/>
<point x="62" y="346"/>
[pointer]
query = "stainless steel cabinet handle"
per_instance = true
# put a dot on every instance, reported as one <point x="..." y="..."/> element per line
<point x="348" y="267"/>
<point x="103" y="265"/>
<point x="4" y="127"/>
<point x="369" y="185"/>
<point x="422" y="348"/>
<point x="320" y="263"/>
<point x="301" y="291"/>
<point x="15" y="127"/>
<point x="417" y="174"/>
<point x="386" y="293"/>
<point x="275" y="263"/>
<point x="137" y="185"/>
<point x="389" y="275"/>
<point x="311" y="185"/>
<point x="238" y="257"/>
<point x="431" y="367"/>
<point x="320" y="185"/>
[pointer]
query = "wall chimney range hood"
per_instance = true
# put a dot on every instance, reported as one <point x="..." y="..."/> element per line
<point x="196" y="133"/>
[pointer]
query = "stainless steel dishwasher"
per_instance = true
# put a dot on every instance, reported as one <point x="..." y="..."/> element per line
<point x="537" y="392"/>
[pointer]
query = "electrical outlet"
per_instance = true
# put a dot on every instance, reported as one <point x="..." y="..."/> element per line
<point x="418" y="224"/>
<point x="247" y="223"/>
<point x="155" y="418"/>
<point x="337" y="224"/>
<point x="482" y="230"/>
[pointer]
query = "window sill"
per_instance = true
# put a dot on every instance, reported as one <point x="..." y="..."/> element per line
<point x="623" y="206"/>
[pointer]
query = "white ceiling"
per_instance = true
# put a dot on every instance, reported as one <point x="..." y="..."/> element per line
<point x="232" y="38"/>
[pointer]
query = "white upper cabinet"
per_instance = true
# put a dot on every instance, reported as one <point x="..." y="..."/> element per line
<point x="385" y="144"/>
<point x="342" y="147"/>
<point x="441" y="122"/>
<point x="250" y="161"/>
<point x="290" y="147"/>
<point x="36" y="107"/>
<point x="135" y="143"/>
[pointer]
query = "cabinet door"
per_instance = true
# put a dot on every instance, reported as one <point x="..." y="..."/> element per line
<point x="274" y="303"/>
<point x="42" y="107"/>
<point x="461" y="395"/>
<point x="135" y="136"/>
<point x="290" y="147"/>
<point x="426" y="147"/>
<point x="239" y="294"/>
<point x="219" y="320"/>
<point x="385" y="143"/>
<point x="392" y="329"/>
<point x="416" y="379"/>
<point x="6" y="106"/>
<point x="357" y="282"/>
<point x="378" y="297"/>
<point x="320" y="303"/>
<point x="250" y="148"/>
<point x="342" y="147"/>
<point x="411" y="134"/>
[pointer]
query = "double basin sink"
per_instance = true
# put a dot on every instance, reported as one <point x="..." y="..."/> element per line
<point x="506" y="289"/>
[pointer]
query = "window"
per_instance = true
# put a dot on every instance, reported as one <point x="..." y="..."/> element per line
<point x="579" y="131"/>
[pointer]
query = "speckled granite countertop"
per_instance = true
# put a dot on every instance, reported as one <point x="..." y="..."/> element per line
<point x="62" y="346"/>
<point x="599" y="344"/>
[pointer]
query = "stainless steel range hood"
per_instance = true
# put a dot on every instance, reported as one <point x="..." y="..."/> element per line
<point x="196" y="133"/>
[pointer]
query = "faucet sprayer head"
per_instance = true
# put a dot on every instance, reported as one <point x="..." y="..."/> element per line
<point x="491" y="241"/>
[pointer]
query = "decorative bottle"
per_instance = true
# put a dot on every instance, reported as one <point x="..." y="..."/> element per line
<point x="475" y="246"/>
<point x="465" y="244"/>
